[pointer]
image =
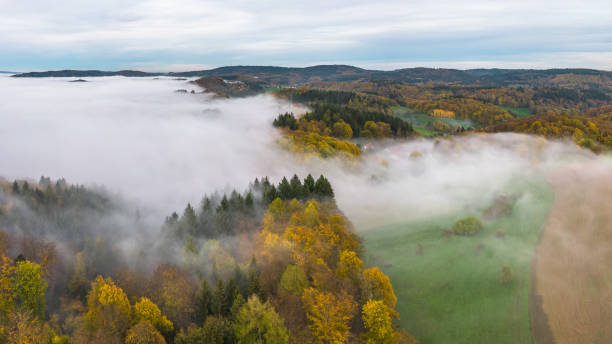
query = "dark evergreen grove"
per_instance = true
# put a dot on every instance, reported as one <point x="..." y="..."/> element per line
<point x="224" y="215"/>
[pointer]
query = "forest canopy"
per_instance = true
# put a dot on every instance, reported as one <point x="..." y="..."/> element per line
<point x="278" y="263"/>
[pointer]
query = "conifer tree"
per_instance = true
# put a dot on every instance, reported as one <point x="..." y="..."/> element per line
<point x="204" y="302"/>
<point x="284" y="189"/>
<point x="296" y="187"/>
<point x="309" y="185"/>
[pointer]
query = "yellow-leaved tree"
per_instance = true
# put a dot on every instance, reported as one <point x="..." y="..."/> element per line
<point x="377" y="286"/>
<point x="350" y="264"/>
<point x="145" y="309"/>
<point x="329" y="315"/>
<point x="144" y="333"/>
<point x="109" y="309"/>
<point x="377" y="320"/>
<point x="30" y="288"/>
<point x="7" y="295"/>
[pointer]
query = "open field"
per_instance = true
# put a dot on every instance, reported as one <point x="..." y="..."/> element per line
<point x="451" y="292"/>
<point x="518" y="112"/>
<point x="420" y="120"/>
<point x="574" y="263"/>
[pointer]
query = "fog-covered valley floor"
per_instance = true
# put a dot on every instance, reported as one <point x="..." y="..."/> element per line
<point x="140" y="139"/>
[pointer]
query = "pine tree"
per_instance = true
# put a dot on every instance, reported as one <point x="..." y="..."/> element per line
<point x="189" y="220"/>
<point x="25" y="187"/>
<point x="218" y="298"/>
<point x="253" y="285"/>
<point x="241" y="280"/>
<point x="205" y="218"/>
<point x="323" y="188"/>
<point x="224" y="205"/>
<point x="15" y="188"/>
<point x="309" y="185"/>
<point x="204" y="303"/>
<point x="231" y="291"/>
<point x="284" y="190"/>
<point x="296" y="187"/>
<point x="248" y="201"/>
<point x="270" y="194"/>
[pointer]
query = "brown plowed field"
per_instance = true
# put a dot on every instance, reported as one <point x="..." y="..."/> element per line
<point x="573" y="268"/>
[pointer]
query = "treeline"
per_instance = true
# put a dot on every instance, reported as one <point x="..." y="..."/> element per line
<point x="296" y="277"/>
<point x="226" y="215"/>
<point x="325" y="131"/>
<point x="538" y="99"/>
<point x="359" y="121"/>
<point x="57" y="204"/>
<point x="358" y="101"/>
<point x="591" y="133"/>
<point x="345" y="123"/>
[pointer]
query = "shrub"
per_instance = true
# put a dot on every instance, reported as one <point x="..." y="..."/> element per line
<point x="507" y="276"/>
<point x="467" y="226"/>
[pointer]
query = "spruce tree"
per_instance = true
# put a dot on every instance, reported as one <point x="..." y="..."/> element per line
<point x="248" y="201"/>
<point x="15" y="188"/>
<point x="309" y="185"/>
<point x="284" y="190"/>
<point x="231" y="291"/>
<point x="323" y="188"/>
<point x="270" y="194"/>
<point x="189" y="221"/>
<point x="204" y="302"/>
<point x="218" y="298"/>
<point x="254" y="286"/>
<point x="296" y="187"/>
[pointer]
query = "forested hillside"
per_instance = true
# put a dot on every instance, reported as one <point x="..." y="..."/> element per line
<point x="569" y="110"/>
<point x="274" y="264"/>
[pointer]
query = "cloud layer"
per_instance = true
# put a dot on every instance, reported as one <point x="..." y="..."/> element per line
<point x="162" y="149"/>
<point x="164" y="34"/>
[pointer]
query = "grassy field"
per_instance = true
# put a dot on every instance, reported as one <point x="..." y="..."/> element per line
<point x="451" y="292"/>
<point x="419" y="121"/>
<point x="518" y="112"/>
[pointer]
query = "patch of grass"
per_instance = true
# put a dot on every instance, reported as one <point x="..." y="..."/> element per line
<point x="449" y="290"/>
<point x="271" y="89"/>
<point x="401" y="110"/>
<point x="419" y="121"/>
<point x="425" y="132"/>
<point x="518" y="112"/>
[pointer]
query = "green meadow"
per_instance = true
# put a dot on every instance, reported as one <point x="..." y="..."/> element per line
<point x="518" y="112"/>
<point x="419" y="121"/>
<point x="448" y="287"/>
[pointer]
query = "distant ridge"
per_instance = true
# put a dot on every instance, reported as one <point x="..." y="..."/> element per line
<point x="68" y="73"/>
<point x="295" y="76"/>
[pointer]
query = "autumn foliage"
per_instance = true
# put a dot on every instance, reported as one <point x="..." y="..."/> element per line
<point x="277" y="264"/>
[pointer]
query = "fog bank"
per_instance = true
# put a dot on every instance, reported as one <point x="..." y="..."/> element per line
<point x="162" y="149"/>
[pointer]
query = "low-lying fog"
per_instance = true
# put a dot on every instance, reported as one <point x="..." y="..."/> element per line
<point x="162" y="149"/>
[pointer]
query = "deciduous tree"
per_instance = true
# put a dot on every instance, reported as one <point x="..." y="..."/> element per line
<point x="30" y="288"/>
<point x="377" y="320"/>
<point x="257" y="322"/>
<point x="329" y="315"/>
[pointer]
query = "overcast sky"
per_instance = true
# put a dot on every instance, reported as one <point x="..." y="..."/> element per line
<point x="163" y="35"/>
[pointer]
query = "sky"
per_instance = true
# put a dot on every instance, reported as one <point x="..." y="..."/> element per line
<point x="171" y="35"/>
